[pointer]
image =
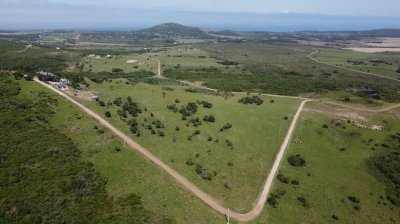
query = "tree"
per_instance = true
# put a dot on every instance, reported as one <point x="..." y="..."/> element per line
<point x="102" y="104"/>
<point x="107" y="113"/>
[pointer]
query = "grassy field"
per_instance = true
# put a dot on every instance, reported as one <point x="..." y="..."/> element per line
<point x="127" y="172"/>
<point x="185" y="56"/>
<point x="336" y="168"/>
<point x="119" y="61"/>
<point x="255" y="136"/>
<point x="339" y="57"/>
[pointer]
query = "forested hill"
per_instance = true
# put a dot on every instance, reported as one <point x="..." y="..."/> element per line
<point x="170" y="30"/>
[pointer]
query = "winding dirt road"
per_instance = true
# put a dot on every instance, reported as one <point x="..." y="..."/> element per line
<point x="207" y="199"/>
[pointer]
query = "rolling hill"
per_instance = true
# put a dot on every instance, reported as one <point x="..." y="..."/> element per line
<point x="173" y="30"/>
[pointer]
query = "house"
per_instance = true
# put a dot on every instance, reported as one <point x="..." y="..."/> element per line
<point x="45" y="74"/>
<point x="109" y="56"/>
<point x="96" y="98"/>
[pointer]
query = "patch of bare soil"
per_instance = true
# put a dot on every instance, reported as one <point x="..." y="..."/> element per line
<point x="84" y="95"/>
<point x="373" y="49"/>
<point x="347" y="116"/>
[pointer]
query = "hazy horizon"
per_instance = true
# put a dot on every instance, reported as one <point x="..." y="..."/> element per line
<point x="216" y="14"/>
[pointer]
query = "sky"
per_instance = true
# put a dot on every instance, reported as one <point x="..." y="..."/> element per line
<point x="274" y="15"/>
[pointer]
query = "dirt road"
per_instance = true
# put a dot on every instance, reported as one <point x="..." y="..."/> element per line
<point x="348" y="69"/>
<point x="364" y="109"/>
<point x="207" y="199"/>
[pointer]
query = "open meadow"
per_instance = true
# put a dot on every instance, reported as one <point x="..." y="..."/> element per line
<point x="386" y="63"/>
<point x="225" y="147"/>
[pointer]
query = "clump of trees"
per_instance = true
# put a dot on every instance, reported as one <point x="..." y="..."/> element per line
<point x="189" y="109"/>
<point x="273" y="198"/>
<point x="131" y="107"/>
<point x="195" y="121"/>
<point x="251" y="100"/>
<point x="204" y="173"/>
<point x="296" y="160"/>
<point x="206" y="104"/>
<point x="209" y="118"/>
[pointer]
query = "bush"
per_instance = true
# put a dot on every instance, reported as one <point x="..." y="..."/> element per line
<point x="226" y="126"/>
<point x="107" y="114"/>
<point x="303" y="202"/>
<point x="354" y="199"/>
<point x="101" y="103"/>
<point x="272" y="201"/>
<point x="228" y="186"/>
<point x="209" y="118"/>
<point x="189" y="162"/>
<point x="296" y="160"/>
<point x="295" y="182"/>
<point x="283" y="178"/>
<point x="161" y="133"/>
<point x="325" y="126"/>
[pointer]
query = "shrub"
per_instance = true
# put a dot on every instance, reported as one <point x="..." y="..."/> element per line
<point x="335" y="217"/>
<point x="117" y="149"/>
<point x="325" y="126"/>
<point x="272" y="201"/>
<point x="227" y="186"/>
<point x="199" y="168"/>
<point x="296" y="160"/>
<point x="226" y="126"/>
<point x="354" y="199"/>
<point x="303" y="202"/>
<point x="283" y="178"/>
<point x="209" y="118"/>
<point x="189" y="162"/>
<point x="161" y="133"/>
<point x="107" y="114"/>
<point x="285" y="117"/>
<point x="295" y="182"/>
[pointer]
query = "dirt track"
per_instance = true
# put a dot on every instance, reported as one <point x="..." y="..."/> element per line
<point x="348" y="69"/>
<point x="207" y="199"/>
